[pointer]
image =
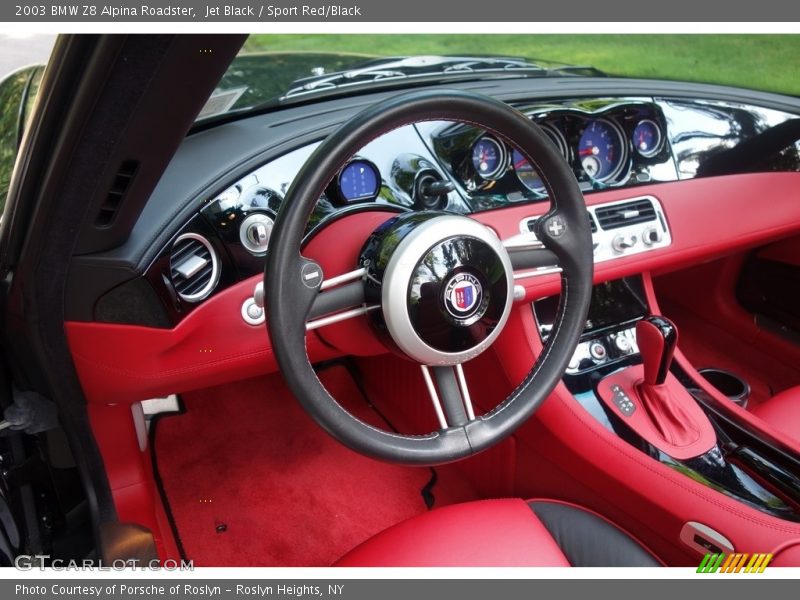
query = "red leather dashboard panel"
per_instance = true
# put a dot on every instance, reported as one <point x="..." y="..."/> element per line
<point x="213" y="344"/>
<point x="126" y="363"/>
<point x="707" y="217"/>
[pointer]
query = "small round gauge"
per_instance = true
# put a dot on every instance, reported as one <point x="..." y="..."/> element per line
<point x="488" y="157"/>
<point x="601" y="150"/>
<point x="526" y="174"/>
<point x="358" y="181"/>
<point x="647" y="138"/>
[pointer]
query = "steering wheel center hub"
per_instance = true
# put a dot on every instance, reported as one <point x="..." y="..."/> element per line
<point x="445" y="285"/>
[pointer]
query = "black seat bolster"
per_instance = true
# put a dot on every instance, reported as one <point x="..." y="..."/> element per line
<point x="589" y="541"/>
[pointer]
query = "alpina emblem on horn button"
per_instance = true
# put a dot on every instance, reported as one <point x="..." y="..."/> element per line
<point x="463" y="295"/>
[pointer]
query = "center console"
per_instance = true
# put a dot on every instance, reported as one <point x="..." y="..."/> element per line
<point x="610" y="334"/>
<point x="733" y="459"/>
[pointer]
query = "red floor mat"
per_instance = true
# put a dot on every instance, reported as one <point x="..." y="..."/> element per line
<point x="251" y="480"/>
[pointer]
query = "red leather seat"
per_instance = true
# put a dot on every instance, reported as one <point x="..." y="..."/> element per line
<point x="782" y="411"/>
<point x="509" y="532"/>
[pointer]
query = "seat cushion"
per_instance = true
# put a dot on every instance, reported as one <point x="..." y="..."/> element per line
<point x="588" y="540"/>
<point x="782" y="411"/>
<point x="508" y="532"/>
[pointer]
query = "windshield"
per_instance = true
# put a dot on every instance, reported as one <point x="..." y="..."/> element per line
<point x="276" y="70"/>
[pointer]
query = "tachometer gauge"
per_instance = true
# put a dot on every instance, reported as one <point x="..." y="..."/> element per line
<point x="647" y="138"/>
<point x="358" y="181"/>
<point x="526" y="174"/>
<point x="601" y="150"/>
<point x="488" y="157"/>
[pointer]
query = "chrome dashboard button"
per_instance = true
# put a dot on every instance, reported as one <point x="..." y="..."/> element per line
<point x="598" y="351"/>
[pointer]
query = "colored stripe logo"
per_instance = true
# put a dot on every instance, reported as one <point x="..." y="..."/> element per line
<point x="734" y="563"/>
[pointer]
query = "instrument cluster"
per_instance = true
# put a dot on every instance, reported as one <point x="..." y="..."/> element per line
<point x="606" y="144"/>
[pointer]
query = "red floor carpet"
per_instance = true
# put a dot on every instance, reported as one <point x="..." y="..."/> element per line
<point x="251" y="480"/>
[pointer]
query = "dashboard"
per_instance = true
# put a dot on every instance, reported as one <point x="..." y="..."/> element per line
<point x="220" y="235"/>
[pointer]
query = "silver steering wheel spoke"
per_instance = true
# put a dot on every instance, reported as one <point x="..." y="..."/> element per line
<point x="449" y="393"/>
<point x="339" y="298"/>
<point x="530" y="258"/>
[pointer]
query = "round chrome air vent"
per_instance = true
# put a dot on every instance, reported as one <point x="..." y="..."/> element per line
<point x="194" y="267"/>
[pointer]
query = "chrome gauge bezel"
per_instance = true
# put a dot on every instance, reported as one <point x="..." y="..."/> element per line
<point x="369" y="198"/>
<point x="502" y="158"/>
<point x="558" y="140"/>
<point x="624" y="159"/>
<point x="659" y="141"/>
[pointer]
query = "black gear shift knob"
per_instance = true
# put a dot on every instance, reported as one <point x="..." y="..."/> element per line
<point x="656" y="337"/>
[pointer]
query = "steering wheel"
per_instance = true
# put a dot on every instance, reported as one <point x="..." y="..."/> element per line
<point x="439" y="287"/>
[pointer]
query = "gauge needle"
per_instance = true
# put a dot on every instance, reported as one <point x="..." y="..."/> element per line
<point x="591" y="151"/>
<point x="521" y="163"/>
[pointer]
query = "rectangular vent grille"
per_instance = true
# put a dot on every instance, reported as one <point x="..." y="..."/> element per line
<point x="628" y="213"/>
<point x="122" y="180"/>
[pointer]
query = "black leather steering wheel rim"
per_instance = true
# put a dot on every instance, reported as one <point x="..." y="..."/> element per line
<point x="288" y="299"/>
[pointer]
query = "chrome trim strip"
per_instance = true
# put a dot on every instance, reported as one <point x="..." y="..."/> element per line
<point x="338" y="317"/>
<point x="526" y="241"/>
<point x="537" y="272"/>
<point x="343" y="278"/>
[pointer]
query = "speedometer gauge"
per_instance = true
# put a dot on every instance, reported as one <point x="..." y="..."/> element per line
<point x="488" y="157"/>
<point x="601" y="150"/>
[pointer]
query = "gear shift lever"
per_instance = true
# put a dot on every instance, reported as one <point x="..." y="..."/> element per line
<point x="656" y="337"/>
<point x="652" y="401"/>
